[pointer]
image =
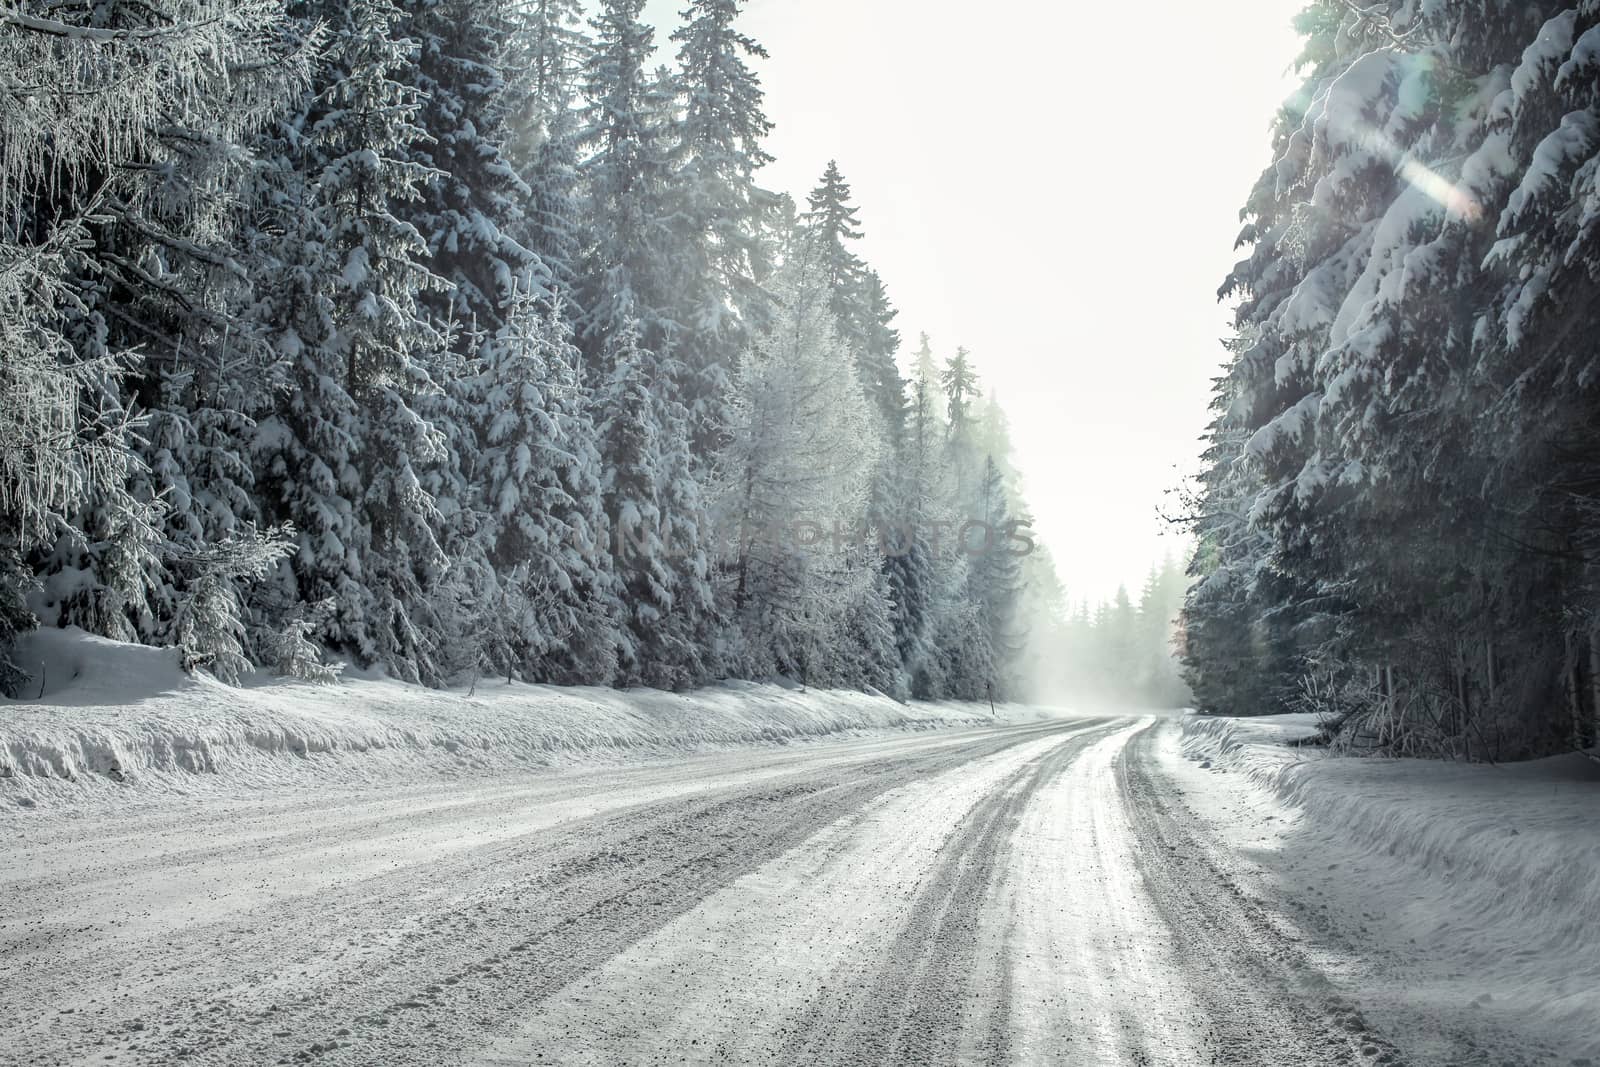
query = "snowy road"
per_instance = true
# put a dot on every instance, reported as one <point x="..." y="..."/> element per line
<point x="1020" y="894"/>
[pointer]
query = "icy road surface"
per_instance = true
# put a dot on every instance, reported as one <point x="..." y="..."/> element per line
<point x="1020" y="894"/>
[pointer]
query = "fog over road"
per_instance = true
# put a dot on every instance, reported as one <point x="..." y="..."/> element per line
<point x="1019" y="894"/>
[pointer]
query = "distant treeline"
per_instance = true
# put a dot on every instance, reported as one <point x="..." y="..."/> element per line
<point x="1121" y="653"/>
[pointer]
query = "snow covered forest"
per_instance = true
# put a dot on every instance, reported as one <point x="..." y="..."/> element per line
<point x="1399" y="518"/>
<point x="459" y="337"/>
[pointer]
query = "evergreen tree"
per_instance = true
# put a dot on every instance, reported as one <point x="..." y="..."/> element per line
<point x="428" y="331"/>
<point x="876" y="359"/>
<point x="346" y="462"/>
<point x="114" y="186"/>
<point x="656" y="519"/>
<point x="925" y="375"/>
<point x="994" y="580"/>
<point x="208" y="626"/>
<point x="544" y="60"/>
<point x="625" y="174"/>
<point x="1156" y="675"/>
<point x="719" y="213"/>
<point x="856" y="298"/>
<point x="965" y="665"/>
<point x="831" y="222"/>
<point x="912" y="563"/>
<point x="796" y="467"/>
<point x="541" y="479"/>
<point x="469" y="209"/>
<point x="1394" y="505"/>
<point x="959" y="382"/>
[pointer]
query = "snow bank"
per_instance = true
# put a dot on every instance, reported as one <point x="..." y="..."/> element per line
<point x="114" y="714"/>
<point x="1492" y="872"/>
<point x="1529" y="830"/>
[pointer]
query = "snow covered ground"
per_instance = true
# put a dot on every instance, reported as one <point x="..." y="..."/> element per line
<point x="370" y="874"/>
<point x="1017" y="893"/>
<point x="115" y="715"/>
<point x="1469" y="893"/>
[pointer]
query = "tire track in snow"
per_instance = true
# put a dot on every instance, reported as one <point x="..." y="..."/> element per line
<point x="1029" y="895"/>
<point x="1266" y="1000"/>
<point x="417" y="954"/>
<point x="922" y="1004"/>
<point x="733" y="980"/>
<point x="1097" y="981"/>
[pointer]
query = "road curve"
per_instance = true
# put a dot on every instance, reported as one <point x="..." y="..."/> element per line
<point x="1020" y="894"/>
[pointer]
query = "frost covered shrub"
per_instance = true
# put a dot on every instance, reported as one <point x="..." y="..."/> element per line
<point x="208" y="628"/>
<point x="15" y="620"/>
<point x="293" y="652"/>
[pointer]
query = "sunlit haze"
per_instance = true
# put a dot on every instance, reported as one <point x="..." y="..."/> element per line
<point x="1015" y="171"/>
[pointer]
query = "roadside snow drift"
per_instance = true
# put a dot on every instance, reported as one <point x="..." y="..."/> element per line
<point x="1488" y="875"/>
<point x="1528" y="829"/>
<point x="112" y="714"/>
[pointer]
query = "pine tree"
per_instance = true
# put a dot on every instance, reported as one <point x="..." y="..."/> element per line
<point x="383" y="334"/>
<point x="110" y="190"/>
<point x="656" y="521"/>
<point x="862" y="319"/>
<point x="831" y="222"/>
<point x="959" y="382"/>
<point x="544" y="61"/>
<point x="994" y="579"/>
<point x="470" y="207"/>
<point x="346" y="462"/>
<point x="470" y="212"/>
<point x="305" y="452"/>
<point x="912" y="565"/>
<point x="1543" y="380"/>
<point x="966" y="663"/>
<point x="876" y="360"/>
<point x="1359" y="524"/>
<point x="425" y="332"/>
<point x="625" y="172"/>
<point x="921" y="498"/>
<point x="720" y="214"/>
<point x="208" y="626"/>
<point x="1156" y="672"/>
<point x="856" y="297"/>
<point x="925" y="375"/>
<point x="541" y="476"/>
<point x="796" y="475"/>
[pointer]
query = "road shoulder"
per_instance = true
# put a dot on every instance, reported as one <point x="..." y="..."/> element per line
<point x="1461" y="958"/>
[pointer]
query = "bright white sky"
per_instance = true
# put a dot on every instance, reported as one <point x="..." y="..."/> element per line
<point x="1055" y="186"/>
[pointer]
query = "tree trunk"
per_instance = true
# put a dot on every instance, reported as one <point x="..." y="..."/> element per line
<point x="1386" y="727"/>
<point x="1594" y="684"/>
<point x="1574" y="693"/>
